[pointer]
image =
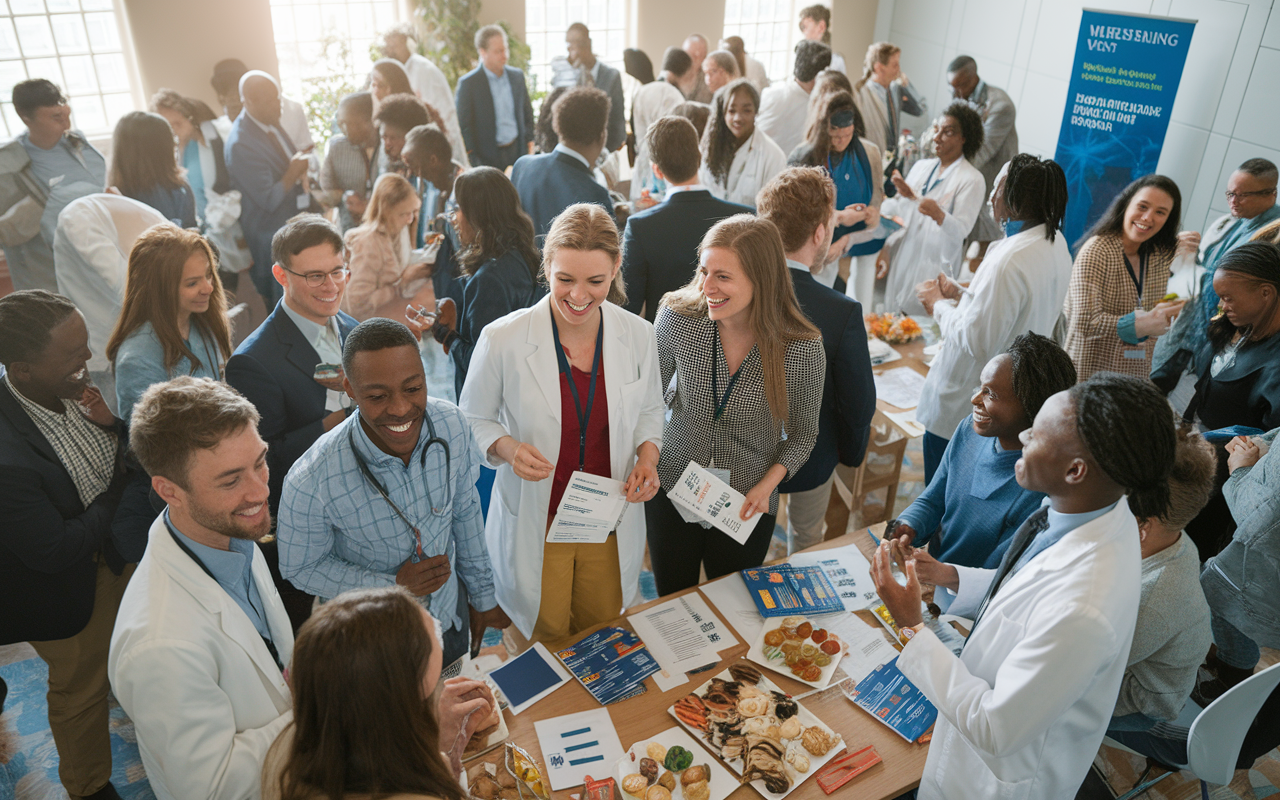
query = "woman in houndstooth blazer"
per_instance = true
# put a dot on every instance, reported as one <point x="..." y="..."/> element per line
<point x="749" y="371"/>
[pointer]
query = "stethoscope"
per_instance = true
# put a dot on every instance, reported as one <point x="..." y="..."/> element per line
<point x="436" y="511"/>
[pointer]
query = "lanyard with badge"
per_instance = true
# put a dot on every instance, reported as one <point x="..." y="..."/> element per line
<point x="584" y="418"/>
<point x="1139" y="280"/>
<point x="720" y="402"/>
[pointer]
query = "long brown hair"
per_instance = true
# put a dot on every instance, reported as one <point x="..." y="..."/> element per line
<point x="491" y="206"/>
<point x="877" y="53"/>
<point x="151" y="294"/>
<point x="821" y="109"/>
<point x="776" y="318"/>
<point x="360" y="722"/>
<point x="719" y="145"/>
<point x="143" y="155"/>
<point x="586" y="227"/>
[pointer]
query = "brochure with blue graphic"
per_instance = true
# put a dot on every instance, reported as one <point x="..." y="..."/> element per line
<point x="787" y="589"/>
<point x="887" y="695"/>
<point x="611" y="663"/>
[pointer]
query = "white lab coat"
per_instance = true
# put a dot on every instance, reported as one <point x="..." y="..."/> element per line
<point x="513" y="389"/>
<point x="757" y="161"/>
<point x="1023" y="709"/>
<point x="782" y="113"/>
<point x="191" y="671"/>
<point x="432" y="88"/>
<point x="923" y="248"/>
<point x="1020" y="287"/>
<point x="651" y="101"/>
<point x="91" y="248"/>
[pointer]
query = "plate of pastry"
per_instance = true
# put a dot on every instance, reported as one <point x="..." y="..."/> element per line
<point x="800" y="648"/>
<point x="764" y="736"/>
<point x="671" y="766"/>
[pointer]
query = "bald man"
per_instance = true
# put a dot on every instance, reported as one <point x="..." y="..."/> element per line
<point x="268" y="170"/>
<point x="696" y="46"/>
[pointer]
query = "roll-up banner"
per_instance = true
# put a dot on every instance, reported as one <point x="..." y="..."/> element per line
<point x="1123" y="83"/>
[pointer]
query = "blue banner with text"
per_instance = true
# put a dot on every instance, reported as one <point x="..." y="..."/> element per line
<point x="1123" y="83"/>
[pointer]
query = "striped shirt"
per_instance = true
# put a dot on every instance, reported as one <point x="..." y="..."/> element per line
<point x="87" y="451"/>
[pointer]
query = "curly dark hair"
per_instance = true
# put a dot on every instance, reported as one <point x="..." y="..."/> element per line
<point x="1128" y="428"/>
<point x="405" y="112"/>
<point x="970" y="122"/>
<point x="491" y="206"/>
<point x="544" y="132"/>
<point x="1040" y="369"/>
<point x="1111" y="223"/>
<point x="581" y="116"/>
<point x="1035" y="192"/>
<point x="718" y="142"/>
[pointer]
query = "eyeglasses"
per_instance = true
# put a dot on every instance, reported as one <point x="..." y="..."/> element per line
<point x="317" y="279"/>
<point x="1244" y="195"/>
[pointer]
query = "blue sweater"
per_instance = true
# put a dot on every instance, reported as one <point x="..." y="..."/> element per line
<point x="976" y="500"/>
<point x="140" y="363"/>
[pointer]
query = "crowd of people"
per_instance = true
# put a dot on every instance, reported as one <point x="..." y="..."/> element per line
<point x="1100" y="495"/>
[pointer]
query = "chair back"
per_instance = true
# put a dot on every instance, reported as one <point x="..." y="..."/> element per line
<point x="1214" y="742"/>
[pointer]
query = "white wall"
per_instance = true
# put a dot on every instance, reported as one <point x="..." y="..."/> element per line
<point x="1228" y="104"/>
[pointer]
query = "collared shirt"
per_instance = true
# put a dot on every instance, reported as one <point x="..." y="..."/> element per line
<point x="891" y="115"/>
<point x="71" y="160"/>
<point x="275" y="131"/>
<point x="233" y="570"/>
<point x="87" y="451"/>
<point x="348" y="166"/>
<point x="1059" y="526"/>
<point x="796" y="265"/>
<point x="336" y="532"/>
<point x="504" y="107"/>
<point x="689" y="187"/>
<point x="327" y="342"/>
<point x="594" y="72"/>
<point x="560" y="148"/>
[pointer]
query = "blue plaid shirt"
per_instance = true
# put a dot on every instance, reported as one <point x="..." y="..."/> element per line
<point x="336" y="532"/>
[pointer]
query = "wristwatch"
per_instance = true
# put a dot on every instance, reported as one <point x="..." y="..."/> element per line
<point x="909" y="633"/>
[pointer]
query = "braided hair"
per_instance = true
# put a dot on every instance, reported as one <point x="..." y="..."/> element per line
<point x="27" y="320"/>
<point x="1040" y="370"/>
<point x="1259" y="261"/>
<point x="1035" y="192"/>
<point x="1127" y="426"/>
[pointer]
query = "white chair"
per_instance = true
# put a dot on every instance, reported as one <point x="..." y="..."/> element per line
<point x="1217" y="733"/>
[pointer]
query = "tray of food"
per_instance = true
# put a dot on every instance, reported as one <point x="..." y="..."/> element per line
<point x="764" y="736"/>
<point x="798" y="647"/>
<point x="671" y="766"/>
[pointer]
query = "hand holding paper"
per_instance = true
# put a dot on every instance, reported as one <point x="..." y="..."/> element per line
<point x="708" y="498"/>
<point x="591" y="507"/>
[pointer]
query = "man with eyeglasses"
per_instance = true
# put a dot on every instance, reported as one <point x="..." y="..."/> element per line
<point x="1251" y="199"/>
<point x="278" y="367"/>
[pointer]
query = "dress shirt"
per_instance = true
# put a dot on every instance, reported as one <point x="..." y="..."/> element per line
<point x="504" y="108"/>
<point x="327" y="343"/>
<point x="1059" y="525"/>
<point x="304" y="199"/>
<point x="337" y="533"/>
<point x="688" y="187"/>
<point x="798" y="266"/>
<point x="891" y="115"/>
<point x="87" y="451"/>
<point x="233" y="570"/>
<point x="569" y="151"/>
<point x="783" y="109"/>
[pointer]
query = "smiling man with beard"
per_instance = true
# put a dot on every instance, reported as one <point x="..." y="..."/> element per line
<point x="389" y="496"/>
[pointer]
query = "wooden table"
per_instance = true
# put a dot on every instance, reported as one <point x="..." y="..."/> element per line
<point x="642" y="717"/>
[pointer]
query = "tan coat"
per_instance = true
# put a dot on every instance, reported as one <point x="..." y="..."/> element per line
<point x="376" y="272"/>
<point x="1100" y="293"/>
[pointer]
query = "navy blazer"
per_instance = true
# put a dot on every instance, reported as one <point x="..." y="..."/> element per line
<point x="660" y="245"/>
<point x="49" y="538"/>
<point x="548" y="183"/>
<point x="609" y="81"/>
<point x="274" y="368"/>
<point x="477" y="121"/>
<point x="256" y="164"/>
<point x="498" y="287"/>
<point x="849" y="393"/>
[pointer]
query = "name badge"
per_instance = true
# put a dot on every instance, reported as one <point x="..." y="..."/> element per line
<point x="1135" y="354"/>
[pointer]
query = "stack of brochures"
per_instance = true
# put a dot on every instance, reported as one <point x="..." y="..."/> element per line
<point x="887" y="695"/>
<point x="787" y="590"/>
<point x="611" y="663"/>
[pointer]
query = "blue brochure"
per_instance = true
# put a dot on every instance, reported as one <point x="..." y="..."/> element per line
<point x="787" y="589"/>
<point x="611" y="663"/>
<point x="887" y="695"/>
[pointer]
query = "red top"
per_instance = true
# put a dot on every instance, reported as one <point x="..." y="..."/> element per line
<point x="597" y="434"/>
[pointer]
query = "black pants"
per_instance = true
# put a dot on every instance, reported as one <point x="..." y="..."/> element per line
<point x="678" y="549"/>
<point x="507" y="155"/>
<point x="1213" y="528"/>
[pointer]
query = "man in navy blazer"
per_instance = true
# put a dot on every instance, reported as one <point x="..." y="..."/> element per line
<point x="660" y="244"/>
<point x="268" y="171"/>
<point x="800" y="202"/>
<point x="62" y="478"/>
<point x="548" y="183"/>
<point x="494" y="111"/>
<point x="594" y="72"/>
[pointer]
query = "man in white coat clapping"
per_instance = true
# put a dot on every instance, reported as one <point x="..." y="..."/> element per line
<point x="1022" y="710"/>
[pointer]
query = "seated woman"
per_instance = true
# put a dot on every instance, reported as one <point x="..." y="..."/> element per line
<point x="968" y="513"/>
<point x="749" y="369"/>
<point x="1114" y="310"/>
<point x="382" y="279"/>
<point x="143" y="167"/>
<point x="833" y="141"/>
<point x="174" y="319"/>
<point x="573" y="379"/>
<point x="499" y="258"/>
<point x="371" y="717"/>
<point x="1240" y="381"/>
<point x="738" y="159"/>
<point x="939" y="201"/>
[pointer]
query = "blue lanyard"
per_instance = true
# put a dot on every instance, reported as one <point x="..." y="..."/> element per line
<point x="927" y="187"/>
<point x="719" y="401"/>
<point x="565" y="369"/>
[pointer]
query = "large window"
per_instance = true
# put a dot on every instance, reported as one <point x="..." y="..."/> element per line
<point x="74" y="43"/>
<point x="545" y="23"/>
<point x="324" y="41"/>
<point x="769" y="30"/>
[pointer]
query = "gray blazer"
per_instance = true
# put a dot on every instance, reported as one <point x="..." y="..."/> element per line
<point x="1242" y="583"/>
<point x="1000" y="137"/>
